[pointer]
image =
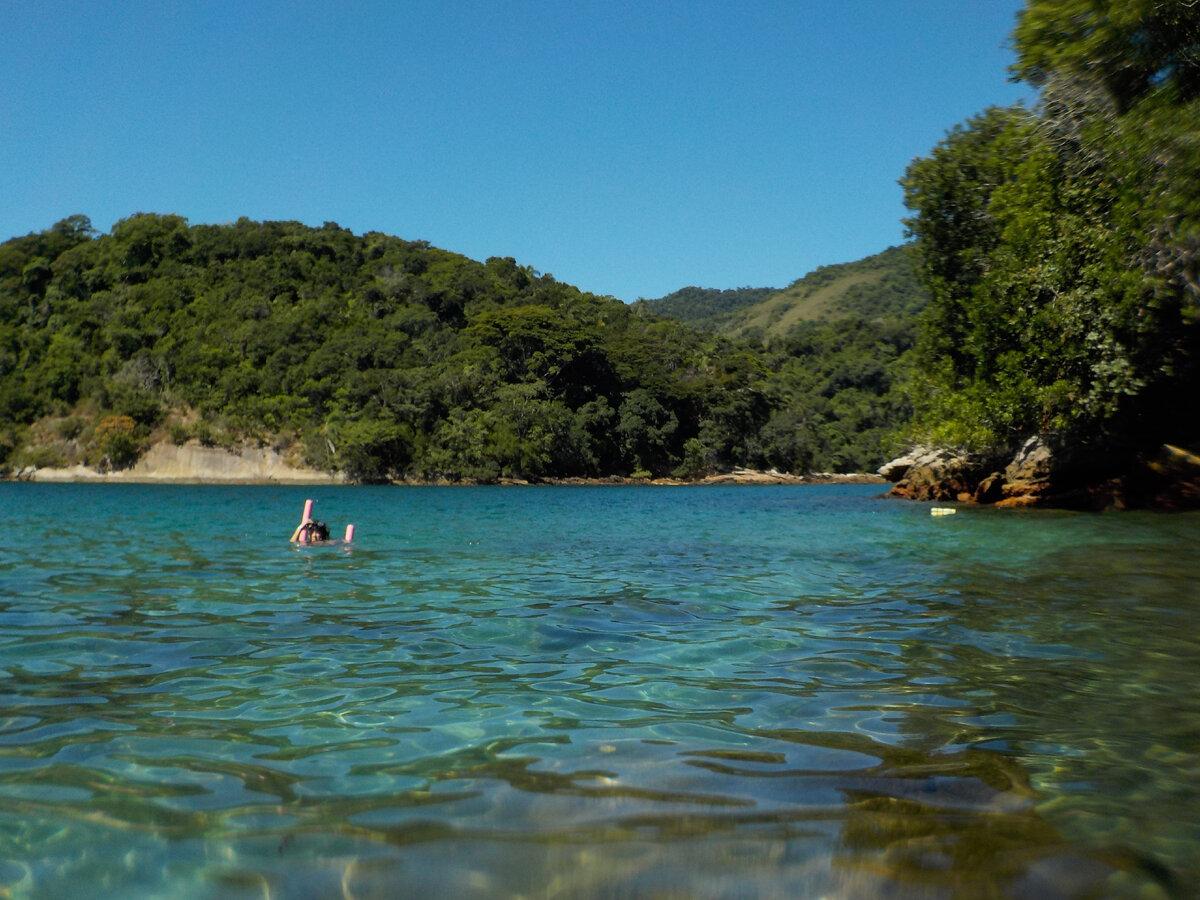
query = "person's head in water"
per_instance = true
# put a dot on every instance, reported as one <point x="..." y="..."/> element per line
<point x="310" y="532"/>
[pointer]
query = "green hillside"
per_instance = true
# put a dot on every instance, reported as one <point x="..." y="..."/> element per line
<point x="700" y="306"/>
<point x="390" y="359"/>
<point x="837" y="340"/>
<point x="880" y="286"/>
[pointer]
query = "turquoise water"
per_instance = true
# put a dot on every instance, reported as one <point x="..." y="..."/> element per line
<point x="743" y="692"/>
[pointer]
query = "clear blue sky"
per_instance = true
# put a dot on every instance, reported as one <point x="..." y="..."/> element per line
<point x="630" y="148"/>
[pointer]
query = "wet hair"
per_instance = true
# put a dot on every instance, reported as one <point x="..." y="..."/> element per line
<point x="322" y="531"/>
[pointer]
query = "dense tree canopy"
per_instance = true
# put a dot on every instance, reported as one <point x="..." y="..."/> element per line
<point x="1131" y="47"/>
<point x="1060" y="244"/>
<point x="386" y="359"/>
<point x="700" y="306"/>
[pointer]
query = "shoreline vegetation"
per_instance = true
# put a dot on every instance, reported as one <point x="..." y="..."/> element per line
<point x="1037" y="343"/>
<point x="390" y="360"/>
<point x="193" y="463"/>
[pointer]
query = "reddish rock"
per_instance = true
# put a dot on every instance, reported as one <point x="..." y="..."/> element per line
<point x="1178" y="473"/>
<point x="1027" y="477"/>
<point x="991" y="489"/>
<point x="1017" y="502"/>
<point x="1043" y="474"/>
<point x="932" y="474"/>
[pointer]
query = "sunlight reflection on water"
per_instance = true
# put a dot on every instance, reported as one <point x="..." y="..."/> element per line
<point x="743" y="692"/>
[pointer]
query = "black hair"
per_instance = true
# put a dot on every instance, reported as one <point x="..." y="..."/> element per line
<point x="322" y="531"/>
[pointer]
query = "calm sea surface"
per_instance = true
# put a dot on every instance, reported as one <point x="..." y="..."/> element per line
<point x="748" y="692"/>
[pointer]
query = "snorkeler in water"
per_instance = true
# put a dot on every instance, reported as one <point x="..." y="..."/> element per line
<point x="310" y="532"/>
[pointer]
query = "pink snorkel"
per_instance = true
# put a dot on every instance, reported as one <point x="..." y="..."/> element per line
<point x="303" y="536"/>
<point x="308" y="505"/>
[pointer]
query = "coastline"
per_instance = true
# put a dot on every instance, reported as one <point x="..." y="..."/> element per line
<point x="192" y="463"/>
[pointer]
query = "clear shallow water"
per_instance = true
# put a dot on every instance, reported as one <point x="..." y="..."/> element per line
<point x="593" y="692"/>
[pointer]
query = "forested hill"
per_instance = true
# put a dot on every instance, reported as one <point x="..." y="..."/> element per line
<point x="391" y="359"/>
<point x="883" y="285"/>
<point x="702" y="306"/>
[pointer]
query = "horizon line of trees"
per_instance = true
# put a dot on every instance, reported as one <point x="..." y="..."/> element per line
<point x="391" y="359"/>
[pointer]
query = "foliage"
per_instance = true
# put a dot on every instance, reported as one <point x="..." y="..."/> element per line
<point x="881" y="285"/>
<point x="702" y="306"/>
<point x="114" y="442"/>
<point x="383" y="358"/>
<point x="833" y="345"/>
<point x="1133" y="48"/>
<point x="837" y="394"/>
<point x="1060" y="244"/>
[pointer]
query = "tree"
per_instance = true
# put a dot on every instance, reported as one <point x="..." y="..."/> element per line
<point x="645" y="428"/>
<point x="1131" y="47"/>
<point x="1060" y="244"/>
<point x="114" y="443"/>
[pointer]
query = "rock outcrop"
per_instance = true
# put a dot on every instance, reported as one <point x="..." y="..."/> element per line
<point x="1039" y="474"/>
<point x="1177" y="473"/>
<point x="1026" y="480"/>
<point x="933" y="473"/>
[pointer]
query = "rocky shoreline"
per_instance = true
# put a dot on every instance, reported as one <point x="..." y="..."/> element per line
<point x="1035" y="476"/>
<point x="1039" y="475"/>
<point x="737" y="476"/>
<point x="193" y="463"/>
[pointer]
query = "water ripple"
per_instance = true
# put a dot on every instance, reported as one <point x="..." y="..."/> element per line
<point x="783" y="692"/>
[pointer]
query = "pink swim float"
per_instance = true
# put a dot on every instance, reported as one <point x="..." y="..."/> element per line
<point x="303" y="536"/>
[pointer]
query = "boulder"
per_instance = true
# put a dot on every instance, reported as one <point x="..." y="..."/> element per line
<point x="896" y="469"/>
<point x="990" y="490"/>
<point x="1176" y="463"/>
<point x="932" y="474"/>
<point x="1176" y="472"/>
<point x="1028" y="474"/>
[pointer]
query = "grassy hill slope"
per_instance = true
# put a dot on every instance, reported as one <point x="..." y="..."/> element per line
<point x="880" y="286"/>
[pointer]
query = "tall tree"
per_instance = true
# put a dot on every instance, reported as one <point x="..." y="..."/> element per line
<point x="1060" y="243"/>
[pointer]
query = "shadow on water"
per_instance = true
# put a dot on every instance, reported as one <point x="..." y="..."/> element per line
<point x="803" y="815"/>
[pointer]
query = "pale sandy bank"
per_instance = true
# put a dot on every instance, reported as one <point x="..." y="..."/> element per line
<point x="194" y="464"/>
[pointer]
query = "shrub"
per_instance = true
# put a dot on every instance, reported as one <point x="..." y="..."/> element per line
<point x="115" y="443"/>
<point x="41" y="457"/>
